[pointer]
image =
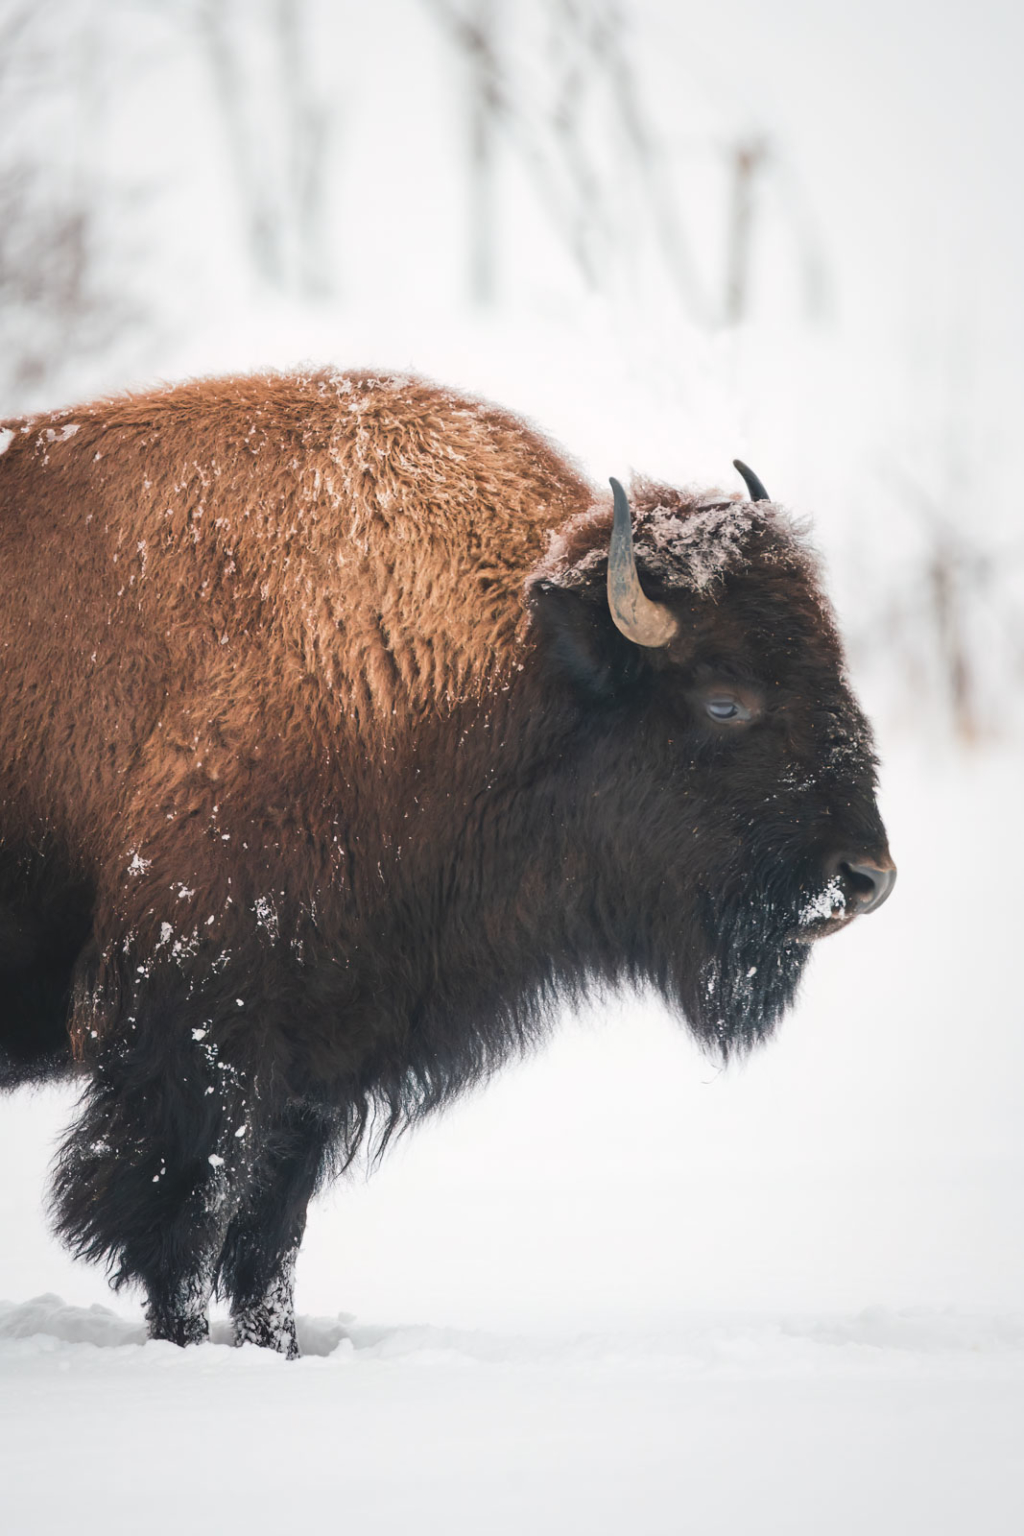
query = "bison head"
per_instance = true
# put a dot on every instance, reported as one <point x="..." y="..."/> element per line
<point x="729" y="768"/>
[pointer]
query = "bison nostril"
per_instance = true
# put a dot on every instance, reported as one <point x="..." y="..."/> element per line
<point x="869" y="884"/>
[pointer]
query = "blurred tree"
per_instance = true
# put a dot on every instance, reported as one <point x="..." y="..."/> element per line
<point x="569" y="107"/>
<point x="756" y="161"/>
<point x="557" y="114"/>
<point x="59" y="300"/>
<point x="748" y="158"/>
<point x="946" y="619"/>
<point x="277" y="126"/>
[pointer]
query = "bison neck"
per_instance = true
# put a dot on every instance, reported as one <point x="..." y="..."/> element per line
<point x="486" y="882"/>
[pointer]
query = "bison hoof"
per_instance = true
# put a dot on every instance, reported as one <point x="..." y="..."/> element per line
<point x="178" y="1330"/>
<point x="269" y="1330"/>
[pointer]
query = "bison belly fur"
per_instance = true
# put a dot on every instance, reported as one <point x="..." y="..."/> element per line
<point x="337" y="750"/>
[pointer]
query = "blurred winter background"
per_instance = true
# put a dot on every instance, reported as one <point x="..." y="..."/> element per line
<point x="671" y="234"/>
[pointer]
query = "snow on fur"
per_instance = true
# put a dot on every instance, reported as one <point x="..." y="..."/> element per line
<point x="681" y="538"/>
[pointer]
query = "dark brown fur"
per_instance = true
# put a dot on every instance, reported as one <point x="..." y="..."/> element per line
<point x="325" y="772"/>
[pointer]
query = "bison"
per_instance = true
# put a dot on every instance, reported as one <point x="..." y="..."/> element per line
<point x="346" y="729"/>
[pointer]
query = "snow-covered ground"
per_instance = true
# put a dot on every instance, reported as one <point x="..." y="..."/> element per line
<point x="881" y="1422"/>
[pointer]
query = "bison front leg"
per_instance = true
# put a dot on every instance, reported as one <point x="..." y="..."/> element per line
<point x="148" y="1179"/>
<point x="269" y="1320"/>
<point x="257" y="1266"/>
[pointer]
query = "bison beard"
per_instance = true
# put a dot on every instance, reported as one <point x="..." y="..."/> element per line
<point x="751" y="977"/>
<point x="337" y="756"/>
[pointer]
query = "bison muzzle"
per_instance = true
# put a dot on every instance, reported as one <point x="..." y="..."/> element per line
<point x="346" y="730"/>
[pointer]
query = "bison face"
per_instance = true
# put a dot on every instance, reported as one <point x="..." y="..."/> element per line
<point x="733" y="768"/>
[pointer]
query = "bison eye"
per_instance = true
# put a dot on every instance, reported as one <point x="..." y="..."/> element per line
<point x="723" y="706"/>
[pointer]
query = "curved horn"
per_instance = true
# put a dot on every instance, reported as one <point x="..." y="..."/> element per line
<point x="754" y="486"/>
<point x="639" y="619"/>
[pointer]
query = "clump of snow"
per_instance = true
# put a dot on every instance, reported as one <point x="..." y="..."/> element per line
<point x="51" y="1318"/>
<point x="829" y="902"/>
<point x="266" y="916"/>
<point x="6" y="439"/>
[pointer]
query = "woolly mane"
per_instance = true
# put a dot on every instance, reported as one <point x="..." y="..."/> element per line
<point x="683" y="540"/>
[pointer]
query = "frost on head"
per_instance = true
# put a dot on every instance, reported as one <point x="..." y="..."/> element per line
<point x="684" y="539"/>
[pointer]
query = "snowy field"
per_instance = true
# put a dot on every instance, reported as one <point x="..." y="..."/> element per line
<point x="876" y="1423"/>
<point x="621" y="1290"/>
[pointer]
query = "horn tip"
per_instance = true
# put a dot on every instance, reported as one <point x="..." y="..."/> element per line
<point x="755" y="487"/>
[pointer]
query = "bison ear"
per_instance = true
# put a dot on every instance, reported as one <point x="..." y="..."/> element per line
<point x="578" y="640"/>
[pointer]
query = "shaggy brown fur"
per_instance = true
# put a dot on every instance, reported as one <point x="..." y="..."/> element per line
<point x="325" y="770"/>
